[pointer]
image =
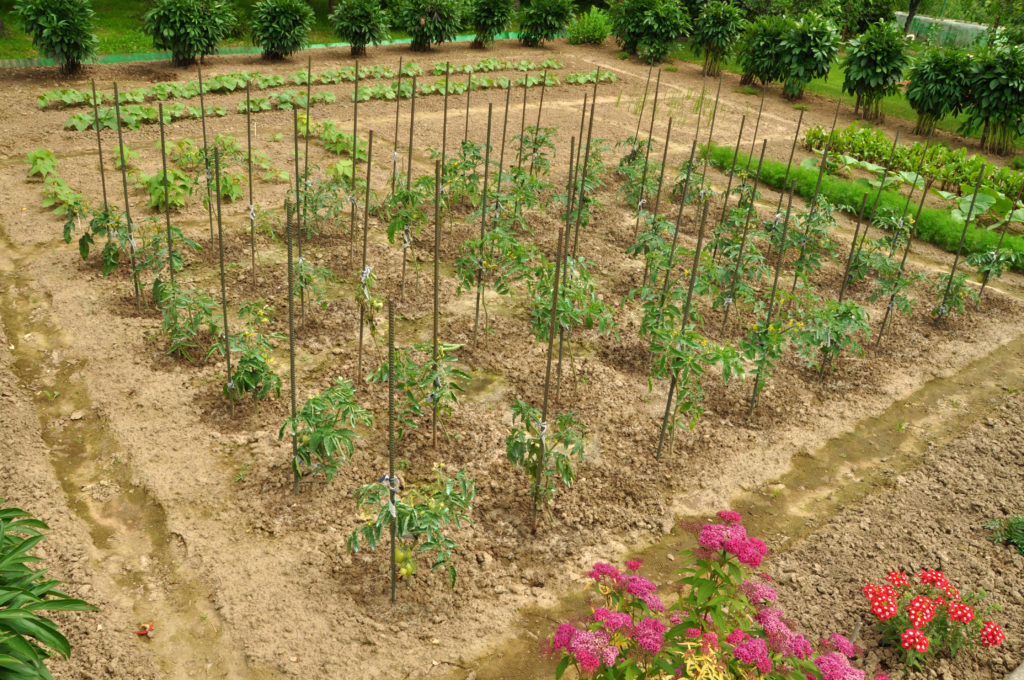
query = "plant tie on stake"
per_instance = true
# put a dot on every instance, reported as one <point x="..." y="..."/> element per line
<point x="363" y="279"/>
<point x="393" y="485"/>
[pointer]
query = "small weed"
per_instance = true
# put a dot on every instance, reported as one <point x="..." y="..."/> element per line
<point x="672" y="68"/>
<point x="242" y="473"/>
<point x="1009" y="530"/>
<point x="748" y="89"/>
<point x="52" y="396"/>
<point x="800" y="107"/>
<point x="622" y="55"/>
<point x="900" y="426"/>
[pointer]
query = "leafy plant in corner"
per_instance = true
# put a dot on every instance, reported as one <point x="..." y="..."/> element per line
<point x="590" y="28"/>
<point x="324" y="429"/>
<point x="1009" y="530"/>
<point x="60" y="29"/>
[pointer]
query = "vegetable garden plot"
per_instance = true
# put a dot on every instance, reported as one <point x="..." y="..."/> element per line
<point x="302" y="539"/>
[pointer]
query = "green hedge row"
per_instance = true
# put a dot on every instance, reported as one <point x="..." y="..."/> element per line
<point x="935" y="225"/>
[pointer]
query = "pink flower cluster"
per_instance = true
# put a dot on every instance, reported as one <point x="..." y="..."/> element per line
<point x="754" y="651"/>
<point x="632" y="584"/>
<point x="590" y="648"/>
<point x="836" y="666"/>
<point x="780" y="638"/>
<point x="732" y="538"/>
<point x="758" y="593"/>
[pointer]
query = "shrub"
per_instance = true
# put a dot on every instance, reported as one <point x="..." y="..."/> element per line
<point x="715" y="32"/>
<point x="26" y="637"/>
<point x="592" y="27"/>
<point x="810" y="48"/>
<point x="61" y="29"/>
<point x="429" y="21"/>
<point x="938" y="87"/>
<point x="874" y="66"/>
<point x="648" y="28"/>
<point x="188" y="28"/>
<point x="542" y="20"/>
<point x="996" y="81"/>
<point x="760" y="50"/>
<point x="281" y="27"/>
<point x="360" y="23"/>
<point x="858" y="16"/>
<point x="489" y="18"/>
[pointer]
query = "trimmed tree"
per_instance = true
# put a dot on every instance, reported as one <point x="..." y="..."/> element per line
<point x="188" y="28"/>
<point x="938" y="86"/>
<point x="543" y="20"/>
<point x="360" y="23"/>
<point x="649" y="28"/>
<point x="489" y="18"/>
<point x="429" y="22"/>
<point x="996" y="81"/>
<point x="60" y="29"/>
<point x="281" y="27"/>
<point x="760" y="51"/>
<point x="810" y="48"/>
<point x="715" y="31"/>
<point x="874" y="66"/>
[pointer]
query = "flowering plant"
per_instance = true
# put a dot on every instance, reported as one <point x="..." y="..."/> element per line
<point x="725" y="623"/>
<point x="931" y="615"/>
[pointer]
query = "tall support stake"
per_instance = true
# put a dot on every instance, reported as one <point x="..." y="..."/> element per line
<point x="289" y="229"/>
<point x="569" y="191"/>
<point x="728" y="188"/>
<point x="398" y="110"/>
<point x="504" y="131"/>
<point x="206" y="150"/>
<point x="713" y="116"/>
<point x="647" y="155"/>
<point x="298" y="207"/>
<point x="252" y="204"/>
<point x="540" y="110"/>
<point x="757" y="126"/>
<point x="365" y="275"/>
<point x="99" y="142"/>
<point x="999" y="245"/>
<point x="853" y="247"/>
<point x="684" y="322"/>
<point x="444" y="124"/>
<point x="738" y="271"/>
<point x="675" y="232"/>
<point x="469" y="88"/>
<point x="223" y="290"/>
<point x="355" y="161"/>
<point x="127" y="208"/>
<point x="522" y="127"/>
<point x="483" y="227"/>
<point x="436" y="356"/>
<point x="771" y="298"/>
<point x="792" y="151"/>
<point x="657" y="196"/>
<point x="392" y="482"/>
<point x="643" y="105"/>
<point x="582" y="196"/>
<point x="959" y="250"/>
<point x="167" y="203"/>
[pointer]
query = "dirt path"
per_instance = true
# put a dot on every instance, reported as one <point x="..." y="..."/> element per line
<point x="168" y="510"/>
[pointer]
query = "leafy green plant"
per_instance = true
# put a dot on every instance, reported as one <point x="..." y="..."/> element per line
<point x="179" y="188"/>
<point x="312" y="281"/>
<point x="429" y="22"/>
<point x="996" y="80"/>
<point x="810" y="48"/>
<point x="537" y="147"/>
<point x="421" y="515"/>
<point x="542" y="20"/>
<point x="324" y="429"/>
<point x="591" y="27"/>
<point x="1009" y="530"/>
<point x="252" y="374"/>
<point x="27" y="638"/>
<point x="715" y="31"/>
<point x="188" y="28"/>
<point x="360" y="23"/>
<point x="857" y="16"/>
<point x="579" y="304"/>
<point x="648" y="28"/>
<point x="874" y="66"/>
<point x="544" y="452"/>
<point x="955" y="301"/>
<point x="829" y="330"/>
<point x="189" y="319"/>
<point x="60" y="29"/>
<point x="408" y="388"/>
<point x="937" y="86"/>
<point x="281" y="27"/>
<point x="42" y="163"/>
<point x="760" y="52"/>
<point x="488" y="18"/>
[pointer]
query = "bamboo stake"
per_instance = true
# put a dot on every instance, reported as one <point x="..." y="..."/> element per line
<point x="392" y="482"/>
<point x="127" y="208"/>
<point x="737" y="272"/>
<point x="540" y="110"/>
<point x="728" y="189"/>
<point x="570" y="190"/>
<point x="675" y="234"/>
<point x="483" y="226"/>
<point x="956" y="259"/>
<point x="647" y="155"/>
<point x="444" y="125"/>
<point x="757" y="126"/>
<point x="206" y="149"/>
<point x="167" y="203"/>
<point x="581" y="199"/>
<point x="999" y="244"/>
<point x="398" y="109"/>
<point x="853" y="247"/>
<point x="252" y="205"/>
<point x="289" y="226"/>
<point x="223" y="289"/>
<point x="365" y="274"/>
<point x="657" y="197"/>
<point x="437" y="258"/>
<point x="355" y="162"/>
<point x="99" y="143"/>
<point x="469" y="87"/>
<point x="504" y="130"/>
<point x="298" y="207"/>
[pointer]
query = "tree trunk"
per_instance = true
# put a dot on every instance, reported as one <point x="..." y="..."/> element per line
<point x="911" y="11"/>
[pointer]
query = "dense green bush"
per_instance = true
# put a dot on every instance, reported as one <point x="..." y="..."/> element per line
<point x="810" y="47"/>
<point x="996" y="81"/>
<point x="760" y="50"/>
<point x="541" y="20"/>
<point x="935" y="226"/>
<point x="648" y="28"/>
<point x="188" y="28"/>
<point x="938" y="86"/>
<point x="60" y="29"/>
<point x="874" y="66"/>
<point x="429" y="22"/>
<point x="715" y="31"/>
<point x="28" y="639"/>
<point x="591" y="27"/>
<point x="281" y="27"/>
<point x="359" y="23"/>
<point x="858" y="15"/>
<point x="489" y="18"/>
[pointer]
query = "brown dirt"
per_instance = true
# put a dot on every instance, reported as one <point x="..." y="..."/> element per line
<point x="243" y="579"/>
